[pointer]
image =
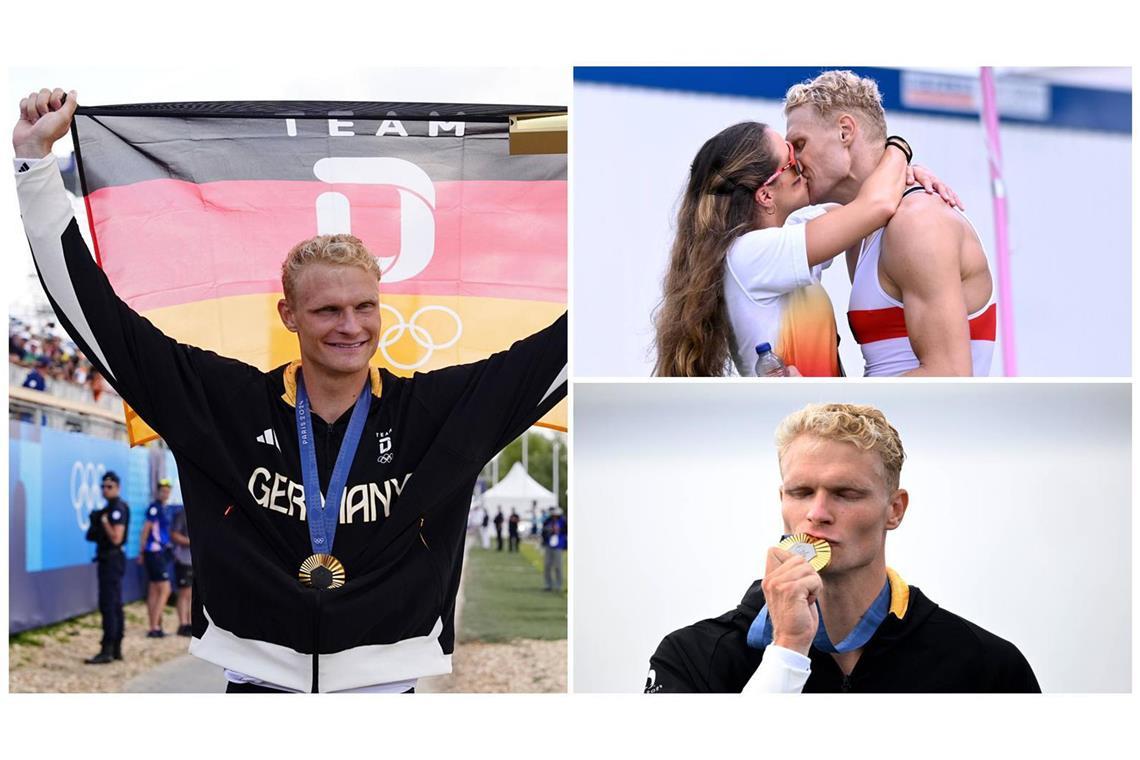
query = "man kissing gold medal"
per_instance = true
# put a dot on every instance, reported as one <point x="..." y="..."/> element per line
<point x="829" y="615"/>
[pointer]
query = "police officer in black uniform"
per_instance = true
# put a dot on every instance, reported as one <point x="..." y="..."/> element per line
<point x="109" y="532"/>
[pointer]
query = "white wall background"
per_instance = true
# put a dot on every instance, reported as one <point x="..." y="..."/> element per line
<point x="1019" y="515"/>
<point x="1069" y="205"/>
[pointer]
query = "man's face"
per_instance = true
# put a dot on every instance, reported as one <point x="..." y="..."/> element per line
<point x="110" y="489"/>
<point x="821" y="151"/>
<point x="164" y="494"/>
<point x="838" y="492"/>
<point x="336" y="315"/>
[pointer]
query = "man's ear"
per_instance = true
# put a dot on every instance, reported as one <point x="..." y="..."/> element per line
<point x="847" y="129"/>
<point x="286" y="314"/>
<point x="897" y="508"/>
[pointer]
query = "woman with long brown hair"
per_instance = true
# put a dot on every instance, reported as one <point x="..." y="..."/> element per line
<point x="749" y="250"/>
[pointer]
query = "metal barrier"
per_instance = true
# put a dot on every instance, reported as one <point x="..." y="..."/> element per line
<point x="44" y="409"/>
<point x="68" y="391"/>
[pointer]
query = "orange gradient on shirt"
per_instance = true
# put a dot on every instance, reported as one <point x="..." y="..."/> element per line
<point x="807" y="337"/>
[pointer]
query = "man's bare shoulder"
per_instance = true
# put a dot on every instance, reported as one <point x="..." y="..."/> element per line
<point x="923" y="216"/>
<point x="925" y="230"/>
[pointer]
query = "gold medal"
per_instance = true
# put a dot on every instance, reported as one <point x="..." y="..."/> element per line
<point x="816" y="551"/>
<point x="322" y="571"/>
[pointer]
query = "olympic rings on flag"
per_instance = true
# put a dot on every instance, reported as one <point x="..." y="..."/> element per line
<point x="86" y="492"/>
<point x="420" y="334"/>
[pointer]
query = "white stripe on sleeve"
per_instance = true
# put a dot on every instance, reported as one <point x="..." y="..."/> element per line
<point x="46" y="210"/>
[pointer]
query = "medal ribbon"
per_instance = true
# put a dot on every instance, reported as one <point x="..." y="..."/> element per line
<point x="760" y="632"/>
<point x="322" y="521"/>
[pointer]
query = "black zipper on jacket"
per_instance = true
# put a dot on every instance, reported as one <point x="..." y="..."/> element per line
<point x="316" y="687"/>
<point x="870" y="651"/>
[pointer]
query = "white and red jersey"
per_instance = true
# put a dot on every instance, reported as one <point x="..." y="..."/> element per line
<point x="879" y="327"/>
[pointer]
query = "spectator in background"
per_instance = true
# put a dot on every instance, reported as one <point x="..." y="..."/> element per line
<point x="534" y="523"/>
<point x="97" y="384"/>
<point x="51" y="355"/>
<point x="32" y="349"/>
<point x="183" y="569"/>
<point x="16" y="343"/>
<point x="554" y="544"/>
<point x="154" y="555"/>
<point x="499" y="529"/>
<point x="486" y="534"/>
<point x="35" y="379"/>
<point x="513" y="532"/>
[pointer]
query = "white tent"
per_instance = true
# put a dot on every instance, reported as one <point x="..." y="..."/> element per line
<point x="518" y="491"/>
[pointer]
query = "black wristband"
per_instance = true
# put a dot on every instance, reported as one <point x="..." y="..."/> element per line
<point x="901" y="144"/>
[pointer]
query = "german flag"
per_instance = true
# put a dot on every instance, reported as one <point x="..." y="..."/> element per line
<point x="193" y="207"/>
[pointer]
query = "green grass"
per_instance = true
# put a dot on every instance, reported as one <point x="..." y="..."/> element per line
<point x="36" y="637"/>
<point x="504" y="597"/>
<point x="30" y="638"/>
<point x="61" y="631"/>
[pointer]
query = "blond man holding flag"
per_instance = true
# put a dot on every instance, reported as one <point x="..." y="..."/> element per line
<point x="327" y="498"/>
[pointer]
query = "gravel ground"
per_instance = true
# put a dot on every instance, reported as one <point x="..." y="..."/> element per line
<point x="520" y="666"/>
<point x="55" y="664"/>
<point x="52" y="660"/>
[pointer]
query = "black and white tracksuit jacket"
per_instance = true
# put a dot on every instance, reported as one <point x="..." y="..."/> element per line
<point x="232" y="430"/>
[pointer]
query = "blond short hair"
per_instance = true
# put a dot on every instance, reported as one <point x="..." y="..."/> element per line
<point x="863" y="426"/>
<point x="338" y="250"/>
<point x="842" y="91"/>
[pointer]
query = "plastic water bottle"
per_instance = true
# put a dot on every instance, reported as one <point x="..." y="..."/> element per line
<point x="769" y="364"/>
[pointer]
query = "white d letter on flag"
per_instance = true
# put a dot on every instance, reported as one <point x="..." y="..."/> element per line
<point x="417" y="201"/>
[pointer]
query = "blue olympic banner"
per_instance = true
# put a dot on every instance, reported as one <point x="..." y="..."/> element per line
<point x="62" y="473"/>
<point x="1021" y="99"/>
<point x="53" y="486"/>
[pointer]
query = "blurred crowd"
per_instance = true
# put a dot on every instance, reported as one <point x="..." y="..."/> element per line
<point x="48" y="353"/>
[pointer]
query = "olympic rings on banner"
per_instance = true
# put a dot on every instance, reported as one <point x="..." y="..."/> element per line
<point x="393" y="333"/>
<point x="86" y="492"/>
